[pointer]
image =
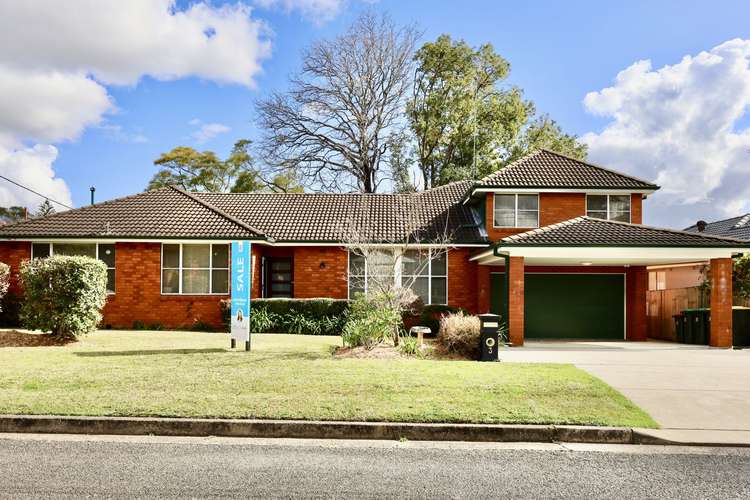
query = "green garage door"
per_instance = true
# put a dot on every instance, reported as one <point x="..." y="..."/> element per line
<point x="566" y="306"/>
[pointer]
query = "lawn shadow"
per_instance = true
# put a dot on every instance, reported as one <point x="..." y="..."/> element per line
<point x="95" y="354"/>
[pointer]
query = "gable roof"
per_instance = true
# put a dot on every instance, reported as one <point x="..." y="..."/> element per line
<point x="548" y="169"/>
<point x="161" y="213"/>
<point x="588" y="231"/>
<point x="330" y="217"/>
<point x="170" y="213"/>
<point x="735" y="227"/>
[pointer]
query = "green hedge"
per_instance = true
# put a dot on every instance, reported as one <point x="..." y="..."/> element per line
<point x="299" y="316"/>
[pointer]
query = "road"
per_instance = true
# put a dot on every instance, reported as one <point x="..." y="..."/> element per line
<point x="45" y="466"/>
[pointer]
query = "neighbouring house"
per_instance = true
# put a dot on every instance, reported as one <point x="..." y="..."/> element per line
<point x="692" y="274"/>
<point x="554" y="244"/>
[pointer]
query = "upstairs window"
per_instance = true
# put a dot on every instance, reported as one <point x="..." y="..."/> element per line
<point x="516" y="210"/>
<point x="195" y="269"/>
<point x="608" y="206"/>
<point x="102" y="251"/>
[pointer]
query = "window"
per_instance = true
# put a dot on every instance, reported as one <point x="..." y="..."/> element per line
<point x="365" y="275"/>
<point x="608" y="206"/>
<point x="195" y="269"/>
<point x="424" y="271"/>
<point x="516" y="210"/>
<point x="102" y="251"/>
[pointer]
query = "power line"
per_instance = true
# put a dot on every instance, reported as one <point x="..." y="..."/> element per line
<point x="35" y="192"/>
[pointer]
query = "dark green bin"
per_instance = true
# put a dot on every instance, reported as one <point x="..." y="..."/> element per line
<point x="697" y="325"/>
<point x="679" y="327"/>
<point x="741" y="326"/>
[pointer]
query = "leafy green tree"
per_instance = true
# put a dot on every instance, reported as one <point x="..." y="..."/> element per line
<point x="193" y="170"/>
<point x="400" y="163"/>
<point x="465" y="124"/>
<point x="45" y="209"/>
<point x="11" y="215"/>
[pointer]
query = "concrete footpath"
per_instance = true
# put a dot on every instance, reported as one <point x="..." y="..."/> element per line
<point x="361" y="430"/>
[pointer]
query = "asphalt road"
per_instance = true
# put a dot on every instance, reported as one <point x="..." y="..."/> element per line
<point x="39" y="466"/>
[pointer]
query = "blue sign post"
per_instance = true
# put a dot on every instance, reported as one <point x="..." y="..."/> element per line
<point x="241" y="284"/>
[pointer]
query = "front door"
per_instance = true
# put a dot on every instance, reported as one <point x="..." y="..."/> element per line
<point x="280" y="277"/>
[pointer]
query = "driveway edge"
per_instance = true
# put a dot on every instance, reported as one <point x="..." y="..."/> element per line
<point x="47" y="424"/>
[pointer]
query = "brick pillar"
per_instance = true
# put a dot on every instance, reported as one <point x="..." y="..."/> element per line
<point x="483" y="289"/>
<point x="516" y="300"/>
<point x="721" y="303"/>
<point x="637" y="288"/>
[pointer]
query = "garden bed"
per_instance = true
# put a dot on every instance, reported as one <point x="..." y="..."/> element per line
<point x="14" y="338"/>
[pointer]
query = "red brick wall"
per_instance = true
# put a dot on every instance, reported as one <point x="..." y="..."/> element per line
<point x="138" y="293"/>
<point x="636" y="208"/>
<point x="462" y="279"/>
<point x="13" y="253"/>
<point x="516" y="323"/>
<point x="636" y="296"/>
<point x="312" y="280"/>
<point x="554" y="208"/>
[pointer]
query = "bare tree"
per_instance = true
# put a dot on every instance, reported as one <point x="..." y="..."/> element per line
<point x="392" y="268"/>
<point x="331" y="127"/>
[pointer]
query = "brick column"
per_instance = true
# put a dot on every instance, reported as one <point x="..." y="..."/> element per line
<point x="721" y="303"/>
<point x="636" y="296"/>
<point x="516" y="300"/>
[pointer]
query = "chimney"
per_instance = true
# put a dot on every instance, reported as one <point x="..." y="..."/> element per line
<point x="701" y="225"/>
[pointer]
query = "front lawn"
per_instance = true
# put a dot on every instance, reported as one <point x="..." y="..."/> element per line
<point x="184" y="374"/>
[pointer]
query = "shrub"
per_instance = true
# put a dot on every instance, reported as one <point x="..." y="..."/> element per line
<point x="4" y="281"/>
<point x="408" y="346"/>
<point x="459" y="334"/>
<point x="431" y="316"/>
<point x="202" y="326"/>
<point x="10" y="310"/>
<point x="63" y="295"/>
<point x="300" y="316"/>
<point x="370" y="322"/>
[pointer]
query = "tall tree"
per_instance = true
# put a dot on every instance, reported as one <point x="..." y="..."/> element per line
<point x="193" y="170"/>
<point x="45" y="209"/>
<point x="11" y="215"/>
<point x="465" y="124"/>
<point x="332" y="126"/>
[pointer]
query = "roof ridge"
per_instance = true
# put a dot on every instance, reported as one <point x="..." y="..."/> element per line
<point x="84" y="207"/>
<point x="595" y="165"/>
<point x="719" y="221"/>
<point x="219" y="212"/>
<point x="665" y="229"/>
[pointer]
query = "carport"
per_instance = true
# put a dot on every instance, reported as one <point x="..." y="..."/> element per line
<point x="587" y="278"/>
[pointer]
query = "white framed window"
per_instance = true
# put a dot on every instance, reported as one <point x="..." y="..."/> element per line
<point x="516" y="210"/>
<point x="194" y="269"/>
<point x="608" y="206"/>
<point x="424" y="271"/>
<point x="102" y="251"/>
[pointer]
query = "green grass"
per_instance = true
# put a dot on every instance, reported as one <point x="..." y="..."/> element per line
<point x="187" y="374"/>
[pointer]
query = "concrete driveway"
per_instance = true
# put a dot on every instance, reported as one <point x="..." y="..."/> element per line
<point x="680" y="386"/>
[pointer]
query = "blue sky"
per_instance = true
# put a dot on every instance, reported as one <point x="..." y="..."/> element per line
<point x="559" y="52"/>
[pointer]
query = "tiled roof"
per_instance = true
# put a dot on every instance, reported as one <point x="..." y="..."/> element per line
<point x="161" y="213"/>
<point x="587" y="231"/>
<point x="329" y="217"/>
<point x="736" y="227"/>
<point x="171" y="213"/>
<point x="547" y="169"/>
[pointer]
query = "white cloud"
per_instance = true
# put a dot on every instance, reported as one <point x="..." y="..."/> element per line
<point x="31" y="167"/>
<point x="317" y="11"/>
<point x="207" y="131"/>
<point x="119" y="42"/>
<point x="48" y="106"/>
<point x="681" y="126"/>
<point x="57" y="61"/>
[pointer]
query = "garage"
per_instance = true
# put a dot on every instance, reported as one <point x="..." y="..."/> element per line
<point x="568" y="306"/>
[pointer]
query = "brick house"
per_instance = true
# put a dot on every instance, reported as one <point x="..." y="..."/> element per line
<point x="568" y="233"/>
